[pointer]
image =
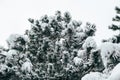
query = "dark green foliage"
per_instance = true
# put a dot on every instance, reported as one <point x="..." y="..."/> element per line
<point x="117" y="10"/>
<point x="116" y="19"/>
<point x="48" y="54"/>
<point x="44" y="43"/>
<point x="115" y="27"/>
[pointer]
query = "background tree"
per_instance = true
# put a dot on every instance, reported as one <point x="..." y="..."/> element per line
<point x="115" y="27"/>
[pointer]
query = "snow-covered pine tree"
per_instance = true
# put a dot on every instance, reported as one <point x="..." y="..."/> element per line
<point x="44" y="33"/>
<point x="51" y="36"/>
<point x="115" y="27"/>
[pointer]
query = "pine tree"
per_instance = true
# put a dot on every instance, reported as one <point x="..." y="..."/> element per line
<point x="114" y="27"/>
<point x="51" y="36"/>
<point x="48" y="30"/>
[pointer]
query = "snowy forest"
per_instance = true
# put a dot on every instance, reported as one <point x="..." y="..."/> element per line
<point x="58" y="48"/>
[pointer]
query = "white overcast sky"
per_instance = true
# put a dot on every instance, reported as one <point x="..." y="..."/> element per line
<point x="14" y="14"/>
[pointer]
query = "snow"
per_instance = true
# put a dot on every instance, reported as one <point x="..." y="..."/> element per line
<point x="82" y="54"/>
<point x="50" y="67"/>
<point x="77" y="61"/>
<point x="25" y="37"/>
<point x="108" y="49"/>
<point x="27" y="66"/>
<point x="61" y="41"/>
<point x="43" y="25"/>
<point x="89" y="42"/>
<point x="63" y="33"/>
<point x="12" y="52"/>
<point x="79" y="29"/>
<point x="3" y="53"/>
<point x="94" y="76"/>
<point x="3" y="68"/>
<point x="12" y="39"/>
<point x="81" y="35"/>
<point x="115" y="73"/>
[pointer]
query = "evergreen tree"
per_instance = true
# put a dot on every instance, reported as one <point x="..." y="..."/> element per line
<point x="114" y="27"/>
<point x="46" y="32"/>
<point x="51" y="36"/>
<point x="48" y="51"/>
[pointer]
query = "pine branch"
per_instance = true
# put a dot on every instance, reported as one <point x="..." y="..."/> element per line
<point x="117" y="18"/>
<point x="117" y="10"/>
<point x="114" y="27"/>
